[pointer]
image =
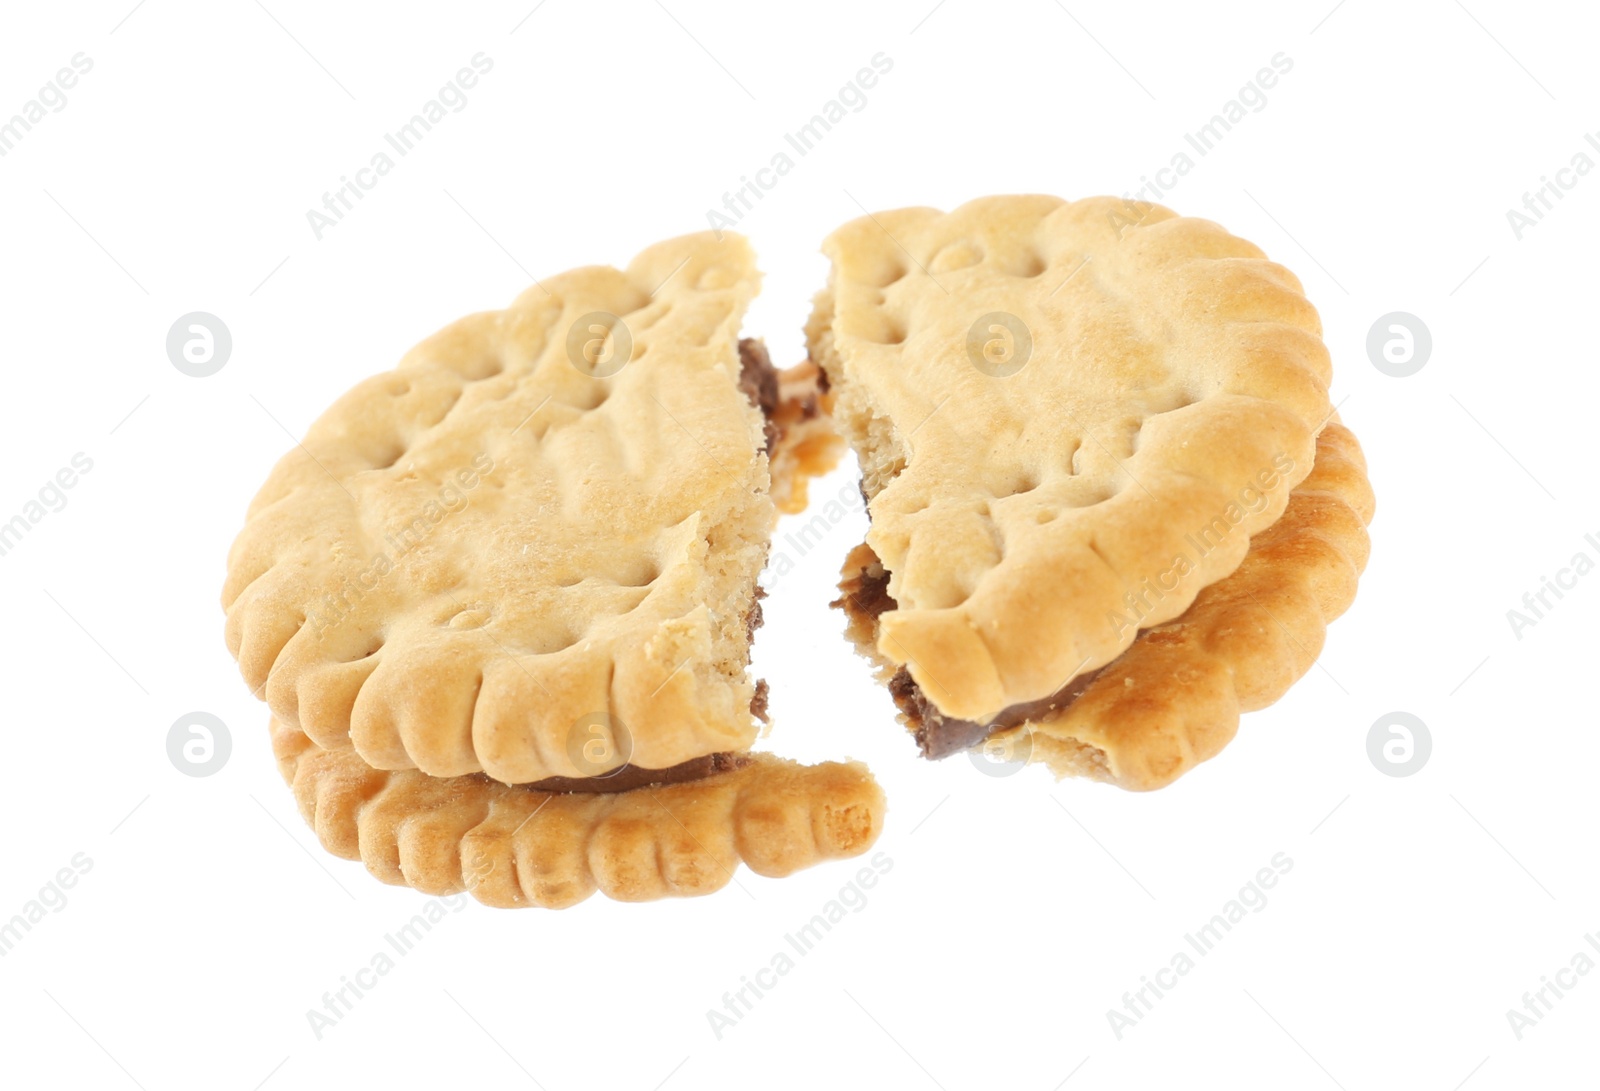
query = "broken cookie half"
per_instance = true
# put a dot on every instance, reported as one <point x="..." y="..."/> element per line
<point x="525" y="561"/>
<point x="1087" y="433"/>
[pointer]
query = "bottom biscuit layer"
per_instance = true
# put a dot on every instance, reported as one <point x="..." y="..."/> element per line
<point x="513" y="847"/>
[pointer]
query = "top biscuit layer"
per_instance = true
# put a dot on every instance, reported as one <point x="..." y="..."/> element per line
<point x="525" y="551"/>
<point x="1071" y="418"/>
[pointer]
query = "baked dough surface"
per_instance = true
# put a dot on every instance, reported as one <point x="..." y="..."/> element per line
<point x="1052" y="402"/>
<point x="527" y="550"/>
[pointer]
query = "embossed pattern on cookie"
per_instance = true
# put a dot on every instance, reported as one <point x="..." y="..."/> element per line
<point x="1048" y="399"/>
<point x="1174" y="698"/>
<point x="531" y="549"/>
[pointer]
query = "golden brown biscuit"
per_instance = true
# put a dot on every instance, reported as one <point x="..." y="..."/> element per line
<point x="1049" y="399"/>
<point x="501" y="599"/>
<point x="513" y="847"/>
<point x="1173" y="699"/>
<point x="530" y="550"/>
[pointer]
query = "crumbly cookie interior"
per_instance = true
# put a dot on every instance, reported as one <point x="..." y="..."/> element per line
<point x="872" y="436"/>
<point x="799" y="444"/>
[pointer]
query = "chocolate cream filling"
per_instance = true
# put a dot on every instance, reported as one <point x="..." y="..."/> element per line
<point x="866" y="597"/>
<point x="758" y="380"/>
<point x="627" y="777"/>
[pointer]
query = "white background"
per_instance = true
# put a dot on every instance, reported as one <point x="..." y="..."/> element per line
<point x="1017" y="911"/>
